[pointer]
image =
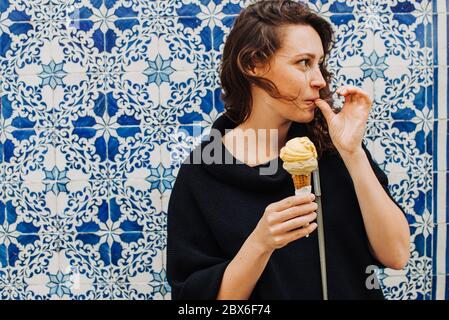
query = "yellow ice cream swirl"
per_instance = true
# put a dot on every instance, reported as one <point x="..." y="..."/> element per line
<point x="299" y="156"/>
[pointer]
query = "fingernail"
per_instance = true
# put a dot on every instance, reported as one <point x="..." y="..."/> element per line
<point x="312" y="197"/>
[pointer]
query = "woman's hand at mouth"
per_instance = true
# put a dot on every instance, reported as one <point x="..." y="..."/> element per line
<point x="347" y="127"/>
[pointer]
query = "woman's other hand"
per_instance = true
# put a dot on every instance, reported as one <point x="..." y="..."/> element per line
<point x="285" y="221"/>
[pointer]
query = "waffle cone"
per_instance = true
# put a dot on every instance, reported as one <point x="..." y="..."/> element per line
<point x="301" y="181"/>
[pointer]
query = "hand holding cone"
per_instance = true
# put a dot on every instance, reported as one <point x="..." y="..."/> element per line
<point x="300" y="159"/>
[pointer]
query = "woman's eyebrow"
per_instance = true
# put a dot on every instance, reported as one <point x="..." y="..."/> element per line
<point x="312" y="55"/>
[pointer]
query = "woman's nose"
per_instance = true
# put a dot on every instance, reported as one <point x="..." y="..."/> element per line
<point x="318" y="80"/>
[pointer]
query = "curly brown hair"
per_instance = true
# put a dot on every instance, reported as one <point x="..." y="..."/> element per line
<point x="254" y="38"/>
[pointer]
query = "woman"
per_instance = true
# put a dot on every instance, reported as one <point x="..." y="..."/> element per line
<point x="234" y="233"/>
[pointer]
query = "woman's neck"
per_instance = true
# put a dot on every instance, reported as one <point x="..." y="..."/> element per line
<point x="257" y="140"/>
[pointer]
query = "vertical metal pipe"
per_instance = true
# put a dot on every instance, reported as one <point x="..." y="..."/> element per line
<point x="321" y="242"/>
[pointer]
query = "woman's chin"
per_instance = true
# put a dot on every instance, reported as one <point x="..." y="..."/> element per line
<point x="306" y="116"/>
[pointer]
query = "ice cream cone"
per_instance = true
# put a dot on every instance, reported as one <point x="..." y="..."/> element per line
<point x="301" y="181"/>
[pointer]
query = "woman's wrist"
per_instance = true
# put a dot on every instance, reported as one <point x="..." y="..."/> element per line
<point x="355" y="160"/>
<point x="353" y="155"/>
<point x="258" y="245"/>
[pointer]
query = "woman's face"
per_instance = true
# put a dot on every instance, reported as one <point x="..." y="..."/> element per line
<point x="295" y="70"/>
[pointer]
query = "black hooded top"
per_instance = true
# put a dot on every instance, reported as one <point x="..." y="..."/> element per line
<point x="214" y="207"/>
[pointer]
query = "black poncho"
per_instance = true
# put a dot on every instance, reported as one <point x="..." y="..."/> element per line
<point x="213" y="208"/>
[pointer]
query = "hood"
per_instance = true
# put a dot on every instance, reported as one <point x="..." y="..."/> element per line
<point x="238" y="173"/>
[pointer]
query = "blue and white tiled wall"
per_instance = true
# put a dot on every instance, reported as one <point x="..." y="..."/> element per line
<point x="101" y="100"/>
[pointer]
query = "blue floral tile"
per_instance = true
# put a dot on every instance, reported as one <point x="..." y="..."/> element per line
<point x="140" y="8"/>
<point x="107" y="100"/>
<point x="119" y="28"/>
<point x="440" y="288"/>
<point x="81" y="100"/>
<point x="79" y="46"/>
<point x="25" y="228"/>
<point x="136" y="203"/>
<point x="439" y="6"/>
<point x="412" y="198"/>
<point x="11" y="285"/>
<point x="139" y="260"/>
<point x="186" y="43"/>
<point x="130" y="100"/>
<point x="440" y="256"/>
<point x="407" y="48"/>
<point x="331" y="7"/>
<point x="439" y="73"/>
<point x="440" y="263"/>
<point x="31" y="268"/>
<point x="187" y="98"/>
<point x="353" y="76"/>
<point x="102" y="12"/>
<point x="26" y="102"/>
<point x="63" y="9"/>
<point x="50" y="281"/>
<point x="220" y="32"/>
<point x="132" y="44"/>
<point x="204" y="9"/>
<point x="84" y="204"/>
<point x="401" y="93"/>
<point x="405" y="287"/>
<point x="370" y="7"/>
<point x="399" y="146"/>
<point x="438" y="94"/>
<point x="411" y="283"/>
<point x="136" y="49"/>
<point x="355" y="43"/>
<point x="89" y="253"/>
<point x="82" y="153"/>
<point x="439" y="39"/>
<point x="94" y="291"/>
<point x="153" y="290"/>
<point x="411" y="190"/>
<point x="437" y="36"/>
<point x="132" y="153"/>
<point x="440" y="160"/>
<point x="28" y="155"/>
<point x="176" y="144"/>
<point x="40" y="217"/>
<point x="26" y="10"/>
<point x="2" y="166"/>
<point x="25" y="47"/>
<point x="144" y="275"/>
<point x="440" y="180"/>
<point x="74" y="279"/>
<point x="124" y="255"/>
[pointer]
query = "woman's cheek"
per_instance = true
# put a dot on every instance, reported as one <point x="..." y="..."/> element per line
<point x="297" y="81"/>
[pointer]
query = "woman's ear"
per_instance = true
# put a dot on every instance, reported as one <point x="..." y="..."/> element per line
<point x="258" y="69"/>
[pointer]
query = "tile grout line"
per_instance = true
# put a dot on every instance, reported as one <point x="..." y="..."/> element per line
<point x="440" y="252"/>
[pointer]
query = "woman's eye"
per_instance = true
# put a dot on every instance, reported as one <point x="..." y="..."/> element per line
<point x="306" y="62"/>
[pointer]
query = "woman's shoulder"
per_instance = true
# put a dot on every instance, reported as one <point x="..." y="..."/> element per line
<point x="189" y="169"/>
